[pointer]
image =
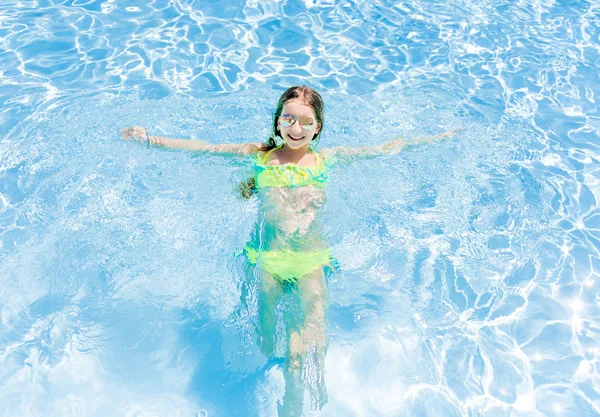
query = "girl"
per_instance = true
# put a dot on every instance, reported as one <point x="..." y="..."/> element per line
<point x="287" y="249"/>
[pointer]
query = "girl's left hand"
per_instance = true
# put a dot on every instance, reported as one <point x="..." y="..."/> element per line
<point x="134" y="133"/>
<point x="446" y="134"/>
<point x="449" y="133"/>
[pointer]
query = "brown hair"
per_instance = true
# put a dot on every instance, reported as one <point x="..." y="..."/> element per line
<point x="309" y="97"/>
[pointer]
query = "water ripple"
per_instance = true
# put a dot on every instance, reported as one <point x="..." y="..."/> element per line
<point x="470" y="270"/>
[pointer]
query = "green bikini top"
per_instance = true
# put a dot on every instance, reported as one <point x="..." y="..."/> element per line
<point x="289" y="175"/>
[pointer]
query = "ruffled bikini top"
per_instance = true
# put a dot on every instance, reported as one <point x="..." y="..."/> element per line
<point x="289" y="175"/>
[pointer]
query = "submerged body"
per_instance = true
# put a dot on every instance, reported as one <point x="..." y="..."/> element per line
<point x="288" y="250"/>
<point x="288" y="240"/>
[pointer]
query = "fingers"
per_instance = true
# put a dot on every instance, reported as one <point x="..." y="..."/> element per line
<point x="127" y="133"/>
<point x="134" y="133"/>
<point x="448" y="133"/>
<point x="452" y="132"/>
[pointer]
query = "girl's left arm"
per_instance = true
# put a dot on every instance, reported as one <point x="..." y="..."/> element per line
<point x="389" y="148"/>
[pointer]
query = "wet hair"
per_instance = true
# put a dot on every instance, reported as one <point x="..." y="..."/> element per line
<point x="304" y="94"/>
<point x="247" y="188"/>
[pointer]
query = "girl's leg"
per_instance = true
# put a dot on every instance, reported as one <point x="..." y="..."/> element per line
<point x="268" y="295"/>
<point x="307" y="348"/>
<point x="313" y="295"/>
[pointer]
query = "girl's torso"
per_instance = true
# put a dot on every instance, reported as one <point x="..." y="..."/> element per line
<point x="290" y="198"/>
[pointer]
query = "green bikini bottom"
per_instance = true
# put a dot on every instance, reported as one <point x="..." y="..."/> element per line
<point x="289" y="265"/>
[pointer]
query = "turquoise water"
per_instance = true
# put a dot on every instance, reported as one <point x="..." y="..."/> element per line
<point x="469" y="283"/>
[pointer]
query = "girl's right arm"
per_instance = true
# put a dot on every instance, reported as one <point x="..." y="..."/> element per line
<point x="139" y="134"/>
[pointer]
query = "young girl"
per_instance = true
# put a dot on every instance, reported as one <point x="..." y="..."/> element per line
<point x="288" y="249"/>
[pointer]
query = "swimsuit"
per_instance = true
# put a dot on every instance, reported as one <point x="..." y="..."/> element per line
<point x="288" y="265"/>
<point x="289" y="175"/>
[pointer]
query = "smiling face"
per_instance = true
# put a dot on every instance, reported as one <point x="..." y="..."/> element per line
<point x="295" y="136"/>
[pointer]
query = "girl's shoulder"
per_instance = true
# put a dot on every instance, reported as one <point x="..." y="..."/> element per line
<point x="327" y="156"/>
<point x="263" y="154"/>
<point x="255" y="148"/>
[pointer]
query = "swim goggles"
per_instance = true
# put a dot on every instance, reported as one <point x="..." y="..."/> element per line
<point x="288" y="120"/>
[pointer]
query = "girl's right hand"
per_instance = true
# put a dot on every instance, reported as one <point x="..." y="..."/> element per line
<point x="134" y="133"/>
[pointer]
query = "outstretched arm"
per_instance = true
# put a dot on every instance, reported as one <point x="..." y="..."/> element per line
<point x="139" y="134"/>
<point x="389" y="148"/>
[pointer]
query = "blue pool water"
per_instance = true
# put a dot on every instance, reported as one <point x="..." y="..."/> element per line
<point x="470" y="269"/>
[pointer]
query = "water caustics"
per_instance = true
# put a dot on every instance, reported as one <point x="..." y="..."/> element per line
<point x="468" y="283"/>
